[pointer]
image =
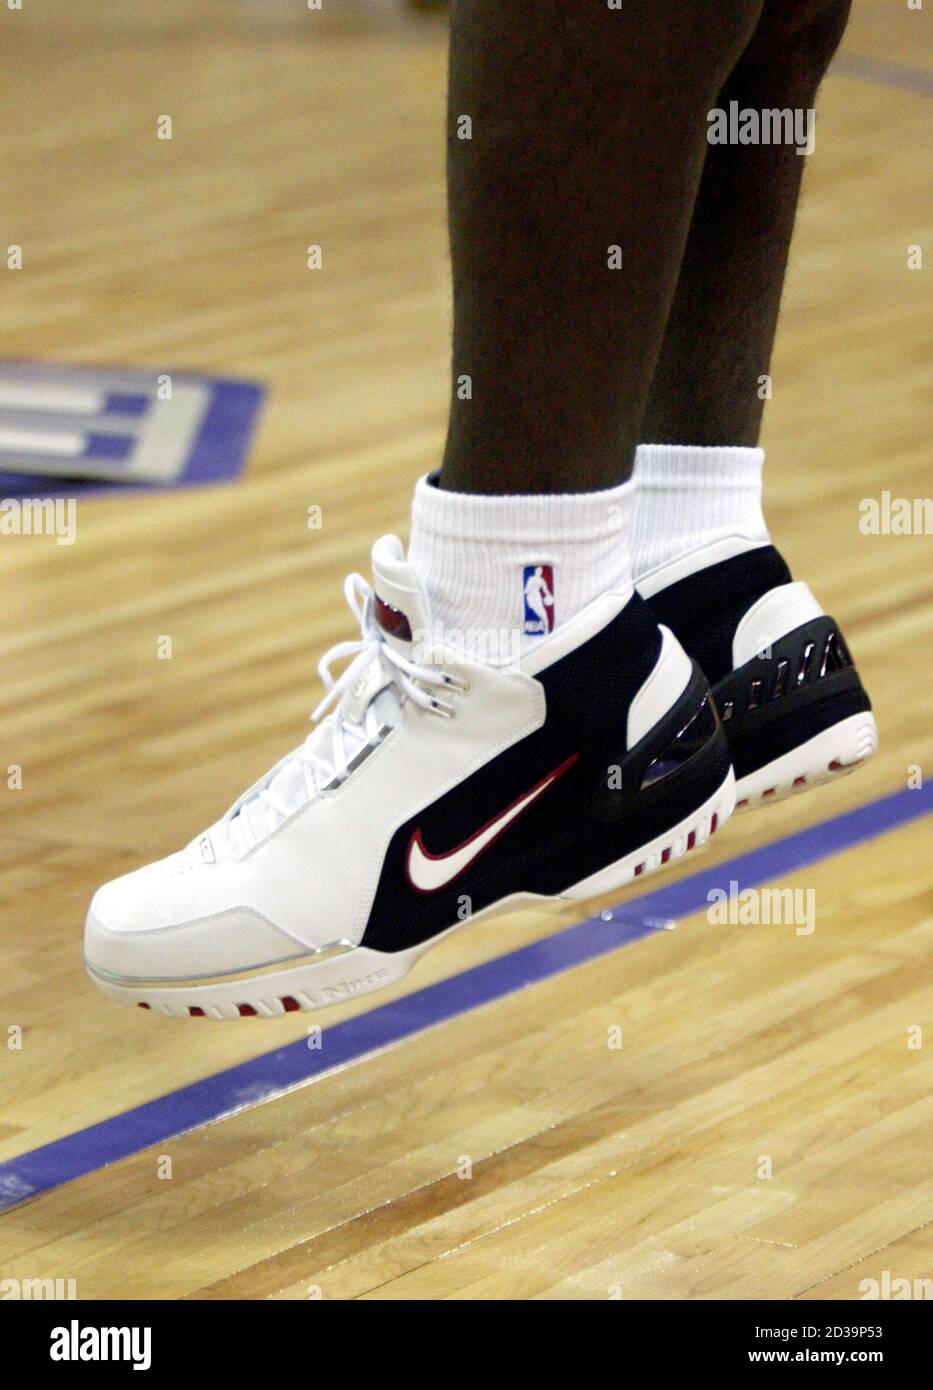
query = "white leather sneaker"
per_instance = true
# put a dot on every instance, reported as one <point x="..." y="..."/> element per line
<point x="439" y="788"/>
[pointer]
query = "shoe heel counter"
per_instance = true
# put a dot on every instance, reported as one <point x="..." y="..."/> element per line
<point x="693" y="728"/>
<point x="685" y="747"/>
<point x="775" y="615"/>
<point x="800" y="686"/>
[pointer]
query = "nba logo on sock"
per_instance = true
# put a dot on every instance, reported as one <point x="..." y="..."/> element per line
<point x="538" y="596"/>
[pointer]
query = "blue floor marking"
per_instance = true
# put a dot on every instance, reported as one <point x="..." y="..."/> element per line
<point x="126" y="416"/>
<point x="883" y="73"/>
<point x="269" y="1075"/>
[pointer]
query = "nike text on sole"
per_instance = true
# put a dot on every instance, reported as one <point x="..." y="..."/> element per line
<point x="358" y="970"/>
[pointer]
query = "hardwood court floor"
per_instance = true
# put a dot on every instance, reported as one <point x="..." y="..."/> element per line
<point x="592" y="1169"/>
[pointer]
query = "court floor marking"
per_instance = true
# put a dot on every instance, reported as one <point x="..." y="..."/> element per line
<point x="882" y="73"/>
<point x="274" y="1073"/>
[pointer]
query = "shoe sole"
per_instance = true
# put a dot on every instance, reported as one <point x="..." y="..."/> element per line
<point x="833" y="753"/>
<point x="360" y="970"/>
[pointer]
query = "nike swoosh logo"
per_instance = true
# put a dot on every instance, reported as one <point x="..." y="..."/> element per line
<point x="429" y="872"/>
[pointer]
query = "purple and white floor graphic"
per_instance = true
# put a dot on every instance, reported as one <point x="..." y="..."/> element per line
<point x="76" y="430"/>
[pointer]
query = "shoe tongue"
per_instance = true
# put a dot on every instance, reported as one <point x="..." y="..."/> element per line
<point x="401" y="606"/>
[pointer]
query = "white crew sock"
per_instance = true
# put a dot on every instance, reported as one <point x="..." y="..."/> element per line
<point x="490" y="564"/>
<point x="696" y="506"/>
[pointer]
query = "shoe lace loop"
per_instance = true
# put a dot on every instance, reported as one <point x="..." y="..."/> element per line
<point x="371" y="644"/>
<point x="321" y="760"/>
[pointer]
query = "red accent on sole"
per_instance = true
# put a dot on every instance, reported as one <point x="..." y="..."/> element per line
<point x="246" y="1011"/>
<point x="665" y="855"/>
<point x="800" y="781"/>
<point x="639" y="869"/>
<point x="714" y="823"/>
<point x="691" y="839"/>
<point x="769" y="792"/>
<point x="141" y="1005"/>
<point x="291" y="1005"/>
<point x="195" y="1012"/>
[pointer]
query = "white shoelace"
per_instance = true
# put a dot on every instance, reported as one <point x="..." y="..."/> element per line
<point x="327" y="753"/>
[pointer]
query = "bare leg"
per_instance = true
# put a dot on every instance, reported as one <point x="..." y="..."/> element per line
<point x="588" y="133"/>
<point x="718" y="339"/>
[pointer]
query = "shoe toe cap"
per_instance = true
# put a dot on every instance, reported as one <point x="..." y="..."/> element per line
<point x="141" y="926"/>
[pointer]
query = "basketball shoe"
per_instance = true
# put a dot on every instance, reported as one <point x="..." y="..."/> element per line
<point x="788" y="693"/>
<point x="438" y="788"/>
<point x="787" y="690"/>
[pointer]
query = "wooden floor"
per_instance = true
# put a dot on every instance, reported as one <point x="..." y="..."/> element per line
<point x="593" y="1170"/>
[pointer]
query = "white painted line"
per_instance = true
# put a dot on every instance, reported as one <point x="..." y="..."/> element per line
<point x="33" y="442"/>
<point x="70" y="400"/>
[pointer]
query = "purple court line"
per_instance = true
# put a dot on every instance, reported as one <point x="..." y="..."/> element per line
<point x="273" y="1073"/>
<point x="883" y="73"/>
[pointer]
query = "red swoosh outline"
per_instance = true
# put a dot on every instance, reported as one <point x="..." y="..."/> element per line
<point x="552" y="777"/>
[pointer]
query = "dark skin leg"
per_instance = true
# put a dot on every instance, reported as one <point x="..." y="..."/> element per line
<point x="588" y="132"/>
<point x="720" y="333"/>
